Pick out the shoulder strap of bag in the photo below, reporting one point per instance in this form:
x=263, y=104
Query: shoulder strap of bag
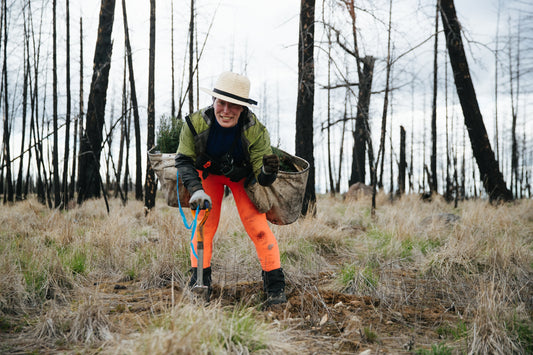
x=191, y=127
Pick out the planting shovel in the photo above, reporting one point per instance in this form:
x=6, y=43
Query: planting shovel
x=199, y=288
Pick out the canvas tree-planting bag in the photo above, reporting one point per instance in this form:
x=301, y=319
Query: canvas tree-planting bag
x=163, y=165
x=282, y=201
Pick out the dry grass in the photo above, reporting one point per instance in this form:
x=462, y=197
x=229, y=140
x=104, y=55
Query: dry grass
x=475, y=262
x=189, y=328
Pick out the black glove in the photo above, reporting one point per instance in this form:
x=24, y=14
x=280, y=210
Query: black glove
x=270, y=164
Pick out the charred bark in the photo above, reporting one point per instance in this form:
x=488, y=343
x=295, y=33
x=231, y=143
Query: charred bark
x=89, y=180
x=78, y=126
x=136, y=120
x=305, y=101
x=19, y=189
x=490, y=174
x=403, y=163
x=65, y=189
x=8, y=182
x=151, y=184
x=55, y=157
x=191, y=59
x=361, y=122
x=433, y=158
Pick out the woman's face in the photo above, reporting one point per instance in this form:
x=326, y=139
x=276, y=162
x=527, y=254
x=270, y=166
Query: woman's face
x=227, y=113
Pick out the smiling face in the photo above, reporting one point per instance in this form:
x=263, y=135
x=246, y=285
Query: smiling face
x=227, y=113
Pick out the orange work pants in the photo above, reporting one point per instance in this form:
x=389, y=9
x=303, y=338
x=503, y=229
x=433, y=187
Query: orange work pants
x=255, y=223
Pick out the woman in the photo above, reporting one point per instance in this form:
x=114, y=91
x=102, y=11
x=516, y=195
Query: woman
x=225, y=145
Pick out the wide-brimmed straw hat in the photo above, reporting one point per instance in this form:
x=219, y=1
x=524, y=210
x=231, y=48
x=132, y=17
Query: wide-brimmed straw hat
x=232, y=87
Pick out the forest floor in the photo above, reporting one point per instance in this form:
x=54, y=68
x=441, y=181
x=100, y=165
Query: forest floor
x=316, y=319
x=322, y=321
x=418, y=278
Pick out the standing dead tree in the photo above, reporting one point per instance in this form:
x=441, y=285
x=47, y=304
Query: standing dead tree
x=514, y=85
x=19, y=190
x=8, y=190
x=173, y=105
x=305, y=102
x=136, y=120
x=151, y=184
x=89, y=180
x=191, y=59
x=65, y=188
x=55, y=157
x=365, y=73
x=402, y=167
x=123, y=114
x=78, y=125
x=381, y=150
x=491, y=176
x=433, y=159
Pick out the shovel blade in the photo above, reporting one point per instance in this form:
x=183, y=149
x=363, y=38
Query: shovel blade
x=201, y=291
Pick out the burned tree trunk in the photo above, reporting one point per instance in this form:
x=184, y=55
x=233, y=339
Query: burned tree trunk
x=403, y=163
x=136, y=123
x=433, y=159
x=173, y=105
x=65, y=189
x=122, y=129
x=8, y=191
x=305, y=103
x=151, y=184
x=55, y=156
x=89, y=180
x=78, y=125
x=361, y=122
x=381, y=149
x=19, y=187
x=191, y=59
x=489, y=170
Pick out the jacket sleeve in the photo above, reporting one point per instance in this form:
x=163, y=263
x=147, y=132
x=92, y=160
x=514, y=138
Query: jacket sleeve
x=188, y=173
x=259, y=140
x=258, y=149
x=184, y=161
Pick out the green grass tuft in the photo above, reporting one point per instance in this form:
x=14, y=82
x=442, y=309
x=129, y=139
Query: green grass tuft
x=436, y=349
x=347, y=275
x=457, y=332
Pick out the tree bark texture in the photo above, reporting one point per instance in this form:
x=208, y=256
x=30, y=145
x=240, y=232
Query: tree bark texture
x=122, y=128
x=55, y=157
x=305, y=101
x=403, y=163
x=173, y=105
x=136, y=120
x=151, y=184
x=381, y=149
x=490, y=174
x=361, y=122
x=19, y=188
x=78, y=127
x=191, y=59
x=8, y=189
x=433, y=159
x=91, y=144
x=66, y=196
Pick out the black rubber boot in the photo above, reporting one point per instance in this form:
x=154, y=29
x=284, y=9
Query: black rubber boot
x=274, y=287
x=207, y=280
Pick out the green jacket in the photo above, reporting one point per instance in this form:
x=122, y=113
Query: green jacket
x=254, y=137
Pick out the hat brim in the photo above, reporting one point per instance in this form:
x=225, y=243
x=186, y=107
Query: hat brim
x=227, y=98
